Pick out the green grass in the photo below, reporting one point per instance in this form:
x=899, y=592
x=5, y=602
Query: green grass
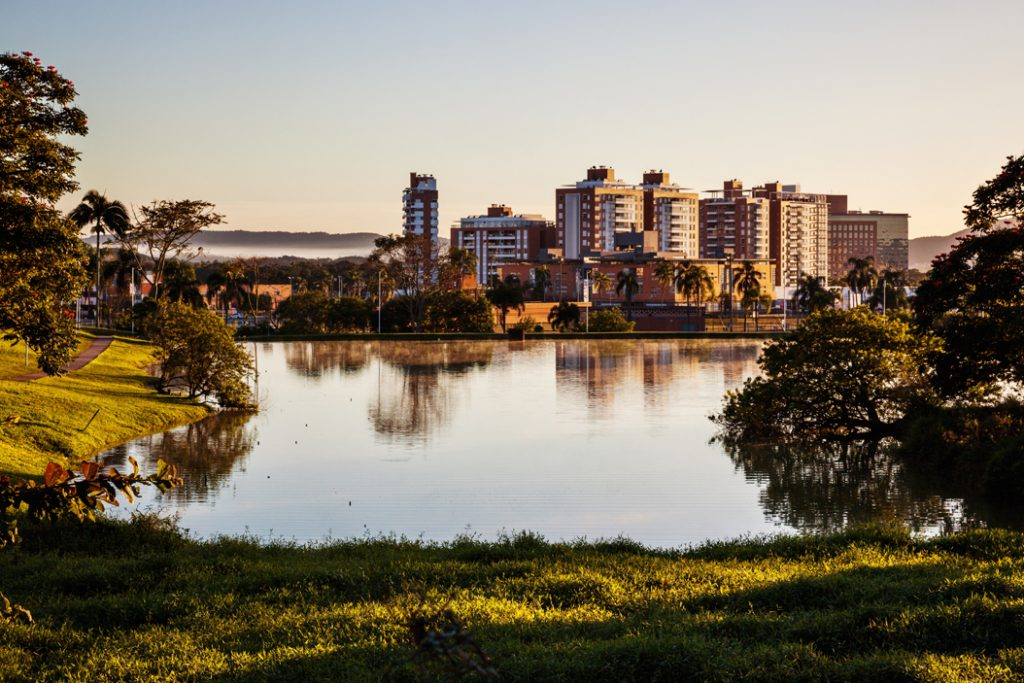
x=45, y=419
x=138, y=602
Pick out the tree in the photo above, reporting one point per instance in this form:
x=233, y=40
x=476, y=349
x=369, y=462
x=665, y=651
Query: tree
x=165, y=232
x=41, y=255
x=564, y=316
x=609, y=320
x=458, y=264
x=458, y=312
x=890, y=293
x=180, y=283
x=600, y=282
x=973, y=297
x=198, y=355
x=695, y=283
x=748, y=284
x=307, y=313
x=665, y=273
x=103, y=216
x=505, y=295
x=541, y=282
x=811, y=295
x=841, y=375
x=626, y=283
x=413, y=264
x=862, y=275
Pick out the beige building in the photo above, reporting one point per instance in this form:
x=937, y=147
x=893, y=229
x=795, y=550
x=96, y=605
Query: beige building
x=856, y=234
x=671, y=212
x=499, y=238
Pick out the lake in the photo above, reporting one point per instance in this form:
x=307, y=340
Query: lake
x=570, y=439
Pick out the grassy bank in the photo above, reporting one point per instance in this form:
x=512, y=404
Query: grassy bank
x=46, y=419
x=138, y=602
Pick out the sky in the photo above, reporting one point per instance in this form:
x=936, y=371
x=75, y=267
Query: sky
x=310, y=115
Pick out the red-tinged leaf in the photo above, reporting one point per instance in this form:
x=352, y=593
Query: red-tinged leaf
x=55, y=474
x=90, y=470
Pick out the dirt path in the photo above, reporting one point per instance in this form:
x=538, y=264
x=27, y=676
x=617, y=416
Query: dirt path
x=98, y=346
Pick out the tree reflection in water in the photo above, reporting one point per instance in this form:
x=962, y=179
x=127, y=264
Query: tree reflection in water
x=830, y=486
x=206, y=454
x=317, y=359
x=416, y=387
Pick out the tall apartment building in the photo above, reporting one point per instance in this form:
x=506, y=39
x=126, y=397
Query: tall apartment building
x=734, y=223
x=883, y=236
x=499, y=238
x=671, y=211
x=798, y=240
x=593, y=211
x=419, y=206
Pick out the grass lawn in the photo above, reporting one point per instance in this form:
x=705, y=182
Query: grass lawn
x=45, y=419
x=137, y=602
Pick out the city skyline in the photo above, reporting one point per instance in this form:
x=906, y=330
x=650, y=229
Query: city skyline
x=311, y=118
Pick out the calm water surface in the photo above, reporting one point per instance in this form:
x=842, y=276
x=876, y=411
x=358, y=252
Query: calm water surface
x=569, y=439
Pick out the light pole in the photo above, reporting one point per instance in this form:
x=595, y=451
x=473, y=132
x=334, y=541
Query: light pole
x=380, y=300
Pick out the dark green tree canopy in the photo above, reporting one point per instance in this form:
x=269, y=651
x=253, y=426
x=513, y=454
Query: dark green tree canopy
x=41, y=256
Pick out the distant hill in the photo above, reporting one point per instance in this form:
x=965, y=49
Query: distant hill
x=924, y=249
x=285, y=240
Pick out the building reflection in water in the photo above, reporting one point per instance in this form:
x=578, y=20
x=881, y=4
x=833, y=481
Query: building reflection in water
x=601, y=368
x=206, y=453
x=417, y=386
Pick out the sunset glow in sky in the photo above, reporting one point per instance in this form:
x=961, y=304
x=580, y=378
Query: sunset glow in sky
x=310, y=115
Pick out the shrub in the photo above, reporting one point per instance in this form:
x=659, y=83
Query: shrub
x=198, y=355
x=610, y=320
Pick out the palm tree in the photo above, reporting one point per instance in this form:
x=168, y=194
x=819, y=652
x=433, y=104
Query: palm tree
x=104, y=216
x=563, y=316
x=862, y=275
x=694, y=282
x=665, y=273
x=627, y=284
x=811, y=295
x=541, y=282
x=600, y=282
x=890, y=292
x=462, y=262
x=748, y=284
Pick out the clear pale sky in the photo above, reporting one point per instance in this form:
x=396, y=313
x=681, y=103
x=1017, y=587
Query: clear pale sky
x=310, y=115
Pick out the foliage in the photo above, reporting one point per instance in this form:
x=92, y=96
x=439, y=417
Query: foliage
x=198, y=355
x=862, y=275
x=627, y=284
x=526, y=324
x=459, y=263
x=458, y=312
x=973, y=297
x=63, y=493
x=890, y=293
x=102, y=215
x=564, y=316
x=609, y=320
x=811, y=295
x=165, y=233
x=308, y=313
x=180, y=284
x=41, y=255
x=694, y=282
x=506, y=295
x=841, y=375
x=541, y=282
x=867, y=604
x=412, y=266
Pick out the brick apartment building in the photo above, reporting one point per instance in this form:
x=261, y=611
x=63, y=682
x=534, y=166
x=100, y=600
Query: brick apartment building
x=499, y=238
x=419, y=207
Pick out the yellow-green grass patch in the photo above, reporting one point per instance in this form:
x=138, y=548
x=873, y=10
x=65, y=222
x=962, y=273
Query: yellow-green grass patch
x=46, y=419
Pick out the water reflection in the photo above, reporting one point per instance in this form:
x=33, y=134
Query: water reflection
x=207, y=454
x=834, y=485
x=416, y=386
x=318, y=359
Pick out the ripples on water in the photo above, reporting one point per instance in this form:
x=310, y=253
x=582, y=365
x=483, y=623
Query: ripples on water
x=566, y=438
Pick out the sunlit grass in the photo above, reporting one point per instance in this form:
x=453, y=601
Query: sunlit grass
x=138, y=602
x=46, y=419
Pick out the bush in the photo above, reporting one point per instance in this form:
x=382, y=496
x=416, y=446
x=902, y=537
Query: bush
x=457, y=312
x=198, y=355
x=610, y=320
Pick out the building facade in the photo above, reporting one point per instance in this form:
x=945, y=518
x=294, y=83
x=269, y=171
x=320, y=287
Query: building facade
x=672, y=213
x=498, y=238
x=419, y=207
x=734, y=223
x=593, y=211
x=856, y=234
